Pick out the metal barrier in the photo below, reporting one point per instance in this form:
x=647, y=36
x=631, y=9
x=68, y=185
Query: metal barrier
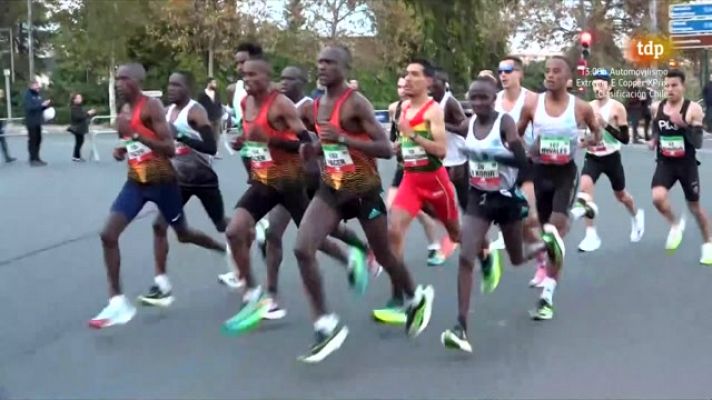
x=93, y=133
x=9, y=120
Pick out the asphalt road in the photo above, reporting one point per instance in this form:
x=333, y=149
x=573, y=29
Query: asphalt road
x=631, y=321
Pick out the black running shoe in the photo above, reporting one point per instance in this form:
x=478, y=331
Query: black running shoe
x=325, y=344
x=156, y=297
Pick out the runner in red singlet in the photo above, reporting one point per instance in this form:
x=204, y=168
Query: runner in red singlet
x=351, y=138
x=148, y=143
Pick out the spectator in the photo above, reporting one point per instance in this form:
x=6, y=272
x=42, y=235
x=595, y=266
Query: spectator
x=3, y=144
x=707, y=97
x=79, y=124
x=210, y=100
x=353, y=84
x=638, y=107
x=34, y=108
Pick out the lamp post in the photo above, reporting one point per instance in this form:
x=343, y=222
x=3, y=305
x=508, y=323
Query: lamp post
x=7, y=94
x=12, y=53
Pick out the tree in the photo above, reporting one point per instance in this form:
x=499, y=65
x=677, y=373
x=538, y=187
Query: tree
x=334, y=19
x=13, y=15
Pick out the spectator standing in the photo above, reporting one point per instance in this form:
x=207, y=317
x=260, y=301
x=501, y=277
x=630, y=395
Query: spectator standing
x=34, y=108
x=79, y=126
x=210, y=100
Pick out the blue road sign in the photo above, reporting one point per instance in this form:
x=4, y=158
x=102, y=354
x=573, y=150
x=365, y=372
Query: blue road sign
x=694, y=10
x=691, y=26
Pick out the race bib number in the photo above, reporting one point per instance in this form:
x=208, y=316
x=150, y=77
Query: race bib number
x=414, y=155
x=555, y=150
x=337, y=159
x=484, y=175
x=258, y=152
x=138, y=152
x=182, y=149
x=672, y=146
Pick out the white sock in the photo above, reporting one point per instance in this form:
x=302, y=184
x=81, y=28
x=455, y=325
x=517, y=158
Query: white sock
x=163, y=283
x=326, y=323
x=434, y=246
x=252, y=294
x=591, y=230
x=548, y=291
x=118, y=299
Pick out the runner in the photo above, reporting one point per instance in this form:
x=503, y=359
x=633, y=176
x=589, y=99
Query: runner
x=496, y=154
x=194, y=145
x=351, y=138
x=149, y=145
x=606, y=159
x=271, y=232
x=237, y=93
x=677, y=133
x=423, y=143
x=435, y=252
x=555, y=116
x=511, y=99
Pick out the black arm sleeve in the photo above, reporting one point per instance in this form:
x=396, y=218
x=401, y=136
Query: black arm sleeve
x=621, y=134
x=694, y=135
x=207, y=145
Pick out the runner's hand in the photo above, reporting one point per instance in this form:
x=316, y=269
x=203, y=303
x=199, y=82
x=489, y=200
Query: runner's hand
x=651, y=144
x=238, y=143
x=676, y=118
x=119, y=153
x=405, y=129
x=601, y=121
x=307, y=151
x=396, y=146
x=328, y=132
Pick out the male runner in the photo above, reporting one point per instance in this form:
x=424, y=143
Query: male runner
x=677, y=133
x=606, y=158
x=435, y=252
x=511, y=99
x=149, y=145
x=496, y=154
x=351, y=138
x=555, y=116
x=423, y=145
x=193, y=147
x=237, y=93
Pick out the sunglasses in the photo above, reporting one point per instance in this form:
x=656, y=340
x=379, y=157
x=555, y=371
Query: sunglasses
x=505, y=70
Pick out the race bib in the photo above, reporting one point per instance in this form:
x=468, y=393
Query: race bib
x=414, y=155
x=258, y=152
x=484, y=175
x=672, y=146
x=138, y=152
x=555, y=150
x=337, y=159
x=182, y=149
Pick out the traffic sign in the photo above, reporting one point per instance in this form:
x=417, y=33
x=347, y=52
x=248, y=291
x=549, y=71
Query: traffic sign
x=691, y=26
x=690, y=10
x=691, y=42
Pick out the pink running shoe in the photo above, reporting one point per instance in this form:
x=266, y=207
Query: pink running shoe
x=540, y=274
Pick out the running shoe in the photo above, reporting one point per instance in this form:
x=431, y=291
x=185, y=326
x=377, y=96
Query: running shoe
x=543, y=312
x=394, y=313
x=540, y=274
x=325, y=344
x=419, y=310
x=590, y=242
x=156, y=297
x=374, y=268
x=230, y=280
x=261, y=236
x=358, y=271
x=491, y=270
x=118, y=312
x=249, y=316
x=584, y=206
x=447, y=246
x=637, y=226
x=554, y=243
x=456, y=338
x=275, y=312
x=436, y=257
x=498, y=244
x=706, y=258
x=675, y=236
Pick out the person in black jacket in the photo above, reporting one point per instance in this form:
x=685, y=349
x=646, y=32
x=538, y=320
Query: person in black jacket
x=210, y=100
x=3, y=144
x=79, y=124
x=34, y=106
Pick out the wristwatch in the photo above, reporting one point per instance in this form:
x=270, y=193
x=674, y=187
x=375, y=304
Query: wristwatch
x=341, y=139
x=135, y=136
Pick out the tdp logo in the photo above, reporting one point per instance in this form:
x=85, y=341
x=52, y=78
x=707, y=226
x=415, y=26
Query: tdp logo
x=647, y=50
x=650, y=49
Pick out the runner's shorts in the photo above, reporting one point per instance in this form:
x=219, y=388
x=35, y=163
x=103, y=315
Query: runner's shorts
x=610, y=165
x=667, y=172
x=555, y=189
x=260, y=199
x=397, y=176
x=212, y=201
x=363, y=206
x=501, y=207
x=166, y=196
x=430, y=188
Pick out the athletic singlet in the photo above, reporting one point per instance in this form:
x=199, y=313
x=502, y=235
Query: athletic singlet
x=395, y=133
x=145, y=166
x=453, y=155
x=609, y=144
x=271, y=165
x=490, y=176
x=415, y=158
x=558, y=135
x=346, y=168
x=671, y=143
x=192, y=166
x=516, y=112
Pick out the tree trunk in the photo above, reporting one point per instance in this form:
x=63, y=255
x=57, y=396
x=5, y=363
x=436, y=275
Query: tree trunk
x=211, y=56
x=112, y=91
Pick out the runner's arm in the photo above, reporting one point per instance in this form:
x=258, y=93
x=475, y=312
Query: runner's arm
x=518, y=158
x=157, y=117
x=437, y=146
x=379, y=146
x=294, y=123
x=527, y=115
x=457, y=115
x=589, y=118
x=695, y=133
x=621, y=132
x=198, y=120
x=655, y=134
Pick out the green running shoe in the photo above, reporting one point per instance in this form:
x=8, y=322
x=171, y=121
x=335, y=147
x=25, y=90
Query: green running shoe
x=543, y=312
x=491, y=271
x=249, y=316
x=456, y=338
x=358, y=271
x=392, y=314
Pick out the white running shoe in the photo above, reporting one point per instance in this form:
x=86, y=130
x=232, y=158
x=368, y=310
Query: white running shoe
x=230, y=280
x=118, y=312
x=675, y=235
x=637, y=226
x=590, y=242
x=274, y=311
x=706, y=258
x=499, y=243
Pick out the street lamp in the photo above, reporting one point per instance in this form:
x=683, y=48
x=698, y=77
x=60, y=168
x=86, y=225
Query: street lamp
x=12, y=52
x=6, y=72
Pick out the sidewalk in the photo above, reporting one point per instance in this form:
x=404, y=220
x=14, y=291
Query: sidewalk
x=20, y=130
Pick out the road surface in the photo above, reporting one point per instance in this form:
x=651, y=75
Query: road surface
x=631, y=321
